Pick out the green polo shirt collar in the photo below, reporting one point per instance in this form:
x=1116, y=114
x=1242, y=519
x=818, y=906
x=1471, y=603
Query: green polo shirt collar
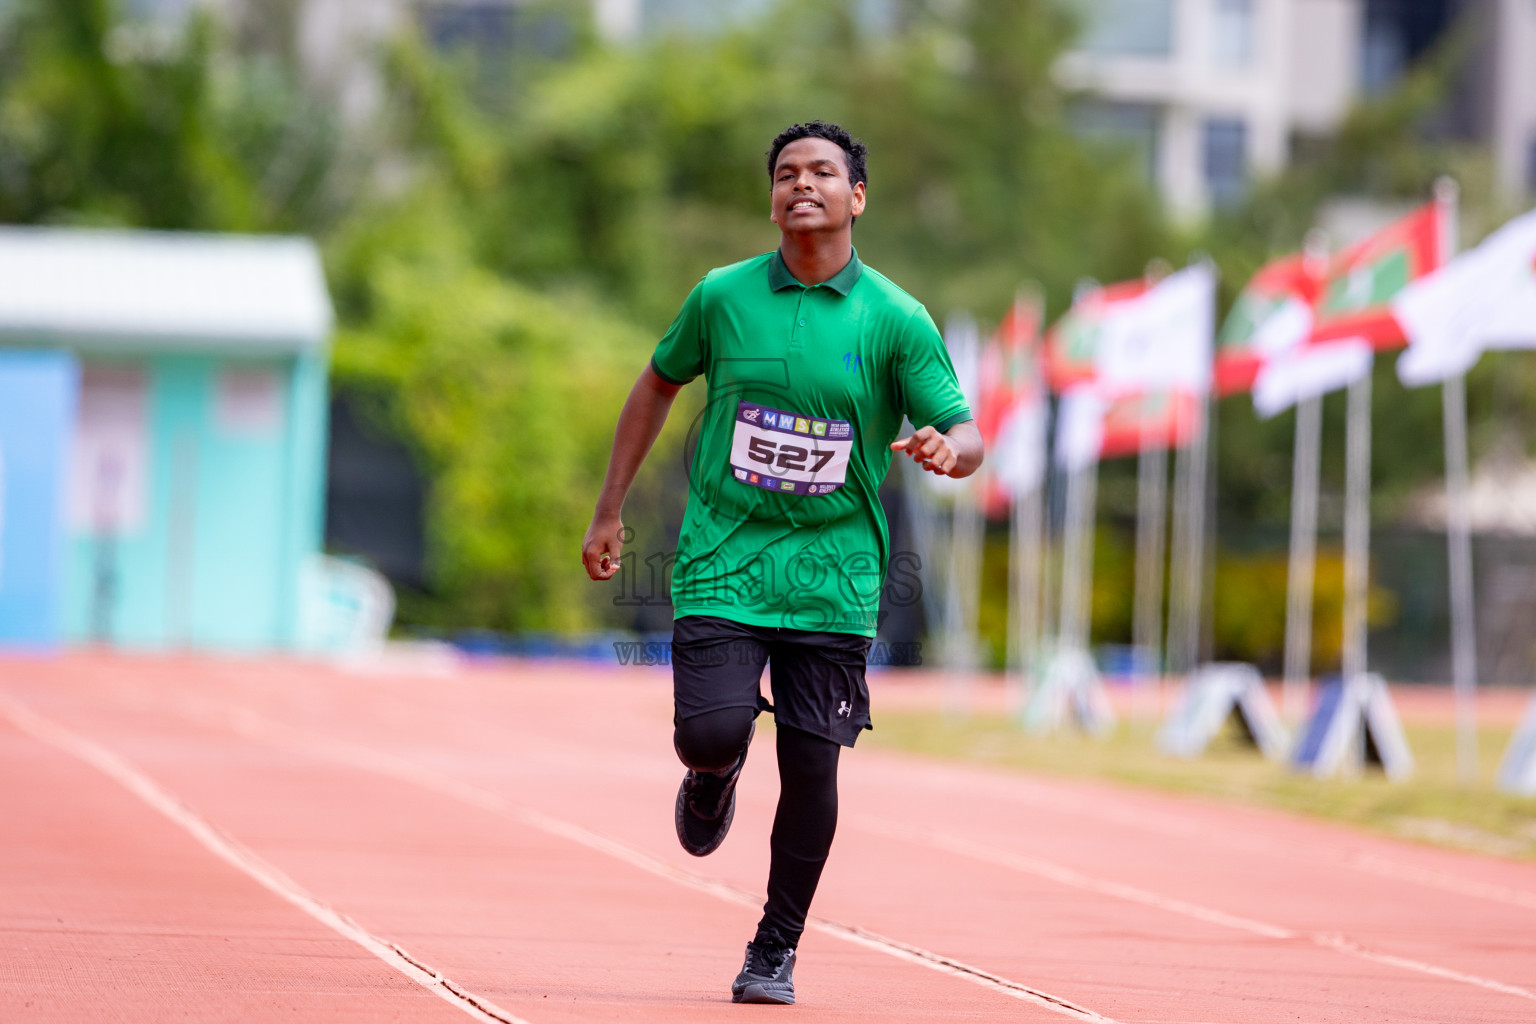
x=841, y=282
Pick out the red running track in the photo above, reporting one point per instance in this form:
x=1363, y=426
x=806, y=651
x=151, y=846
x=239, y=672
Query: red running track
x=202, y=840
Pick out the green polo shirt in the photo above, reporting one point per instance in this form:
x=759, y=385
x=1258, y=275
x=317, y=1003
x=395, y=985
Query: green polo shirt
x=807, y=390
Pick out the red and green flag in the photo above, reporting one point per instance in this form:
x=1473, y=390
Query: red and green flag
x=1166, y=420
x=1008, y=366
x=1011, y=410
x=1091, y=427
x=1072, y=343
x=1356, y=297
x=1273, y=314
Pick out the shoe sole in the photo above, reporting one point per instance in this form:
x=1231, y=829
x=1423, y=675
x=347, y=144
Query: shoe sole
x=679, y=820
x=764, y=994
x=680, y=810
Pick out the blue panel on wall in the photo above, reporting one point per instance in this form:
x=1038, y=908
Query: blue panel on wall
x=37, y=414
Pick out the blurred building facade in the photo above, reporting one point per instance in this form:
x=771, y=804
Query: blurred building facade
x=1213, y=93
x=1501, y=92
x=1210, y=93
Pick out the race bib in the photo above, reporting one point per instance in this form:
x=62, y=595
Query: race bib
x=784, y=451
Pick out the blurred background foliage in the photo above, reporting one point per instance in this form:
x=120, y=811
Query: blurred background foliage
x=507, y=239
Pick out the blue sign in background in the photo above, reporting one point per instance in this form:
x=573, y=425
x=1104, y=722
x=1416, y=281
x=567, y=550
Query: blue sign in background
x=38, y=395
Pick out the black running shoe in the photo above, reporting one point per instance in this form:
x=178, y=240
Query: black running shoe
x=706, y=803
x=768, y=976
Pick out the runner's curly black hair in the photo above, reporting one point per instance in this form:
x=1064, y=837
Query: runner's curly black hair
x=854, y=150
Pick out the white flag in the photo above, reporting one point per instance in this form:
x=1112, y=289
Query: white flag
x=1483, y=299
x=1080, y=427
x=963, y=340
x=1019, y=450
x=1308, y=372
x=1162, y=340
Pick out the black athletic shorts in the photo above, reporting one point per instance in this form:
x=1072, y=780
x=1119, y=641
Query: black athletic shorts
x=817, y=679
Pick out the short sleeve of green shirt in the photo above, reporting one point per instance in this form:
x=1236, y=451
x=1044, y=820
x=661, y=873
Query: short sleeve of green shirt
x=930, y=395
x=679, y=356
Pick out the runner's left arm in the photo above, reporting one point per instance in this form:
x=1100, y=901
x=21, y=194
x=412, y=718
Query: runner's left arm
x=956, y=452
x=948, y=443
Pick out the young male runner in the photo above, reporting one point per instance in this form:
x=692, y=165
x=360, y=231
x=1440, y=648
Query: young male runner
x=811, y=359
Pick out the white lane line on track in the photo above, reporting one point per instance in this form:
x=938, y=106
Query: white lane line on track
x=848, y=933
x=1076, y=879
x=260, y=727
x=1345, y=945
x=946, y=778
x=247, y=862
x=1372, y=864
x=1067, y=876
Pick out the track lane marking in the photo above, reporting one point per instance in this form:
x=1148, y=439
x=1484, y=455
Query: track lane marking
x=248, y=862
x=259, y=727
x=1374, y=865
x=1076, y=879
x=1069, y=877
x=1344, y=944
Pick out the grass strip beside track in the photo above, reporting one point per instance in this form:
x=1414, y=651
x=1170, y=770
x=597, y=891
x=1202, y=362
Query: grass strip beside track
x=1430, y=807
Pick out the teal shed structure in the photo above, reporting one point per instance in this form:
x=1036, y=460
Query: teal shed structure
x=191, y=497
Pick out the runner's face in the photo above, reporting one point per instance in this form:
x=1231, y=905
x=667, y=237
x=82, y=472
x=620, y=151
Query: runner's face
x=811, y=191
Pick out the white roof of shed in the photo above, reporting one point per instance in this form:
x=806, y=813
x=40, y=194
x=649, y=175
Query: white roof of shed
x=161, y=289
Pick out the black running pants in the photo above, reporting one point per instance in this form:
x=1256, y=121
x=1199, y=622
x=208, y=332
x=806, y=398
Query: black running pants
x=806, y=819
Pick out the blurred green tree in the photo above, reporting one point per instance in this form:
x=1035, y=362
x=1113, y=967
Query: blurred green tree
x=111, y=121
x=509, y=396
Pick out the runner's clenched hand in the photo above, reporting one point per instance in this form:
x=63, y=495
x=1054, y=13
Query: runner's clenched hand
x=931, y=450
x=600, y=549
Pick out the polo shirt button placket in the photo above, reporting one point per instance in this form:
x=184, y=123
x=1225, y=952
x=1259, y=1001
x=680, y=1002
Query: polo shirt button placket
x=796, y=338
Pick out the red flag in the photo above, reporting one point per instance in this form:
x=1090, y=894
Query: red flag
x=1355, y=300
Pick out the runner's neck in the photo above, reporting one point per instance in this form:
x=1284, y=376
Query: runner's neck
x=815, y=259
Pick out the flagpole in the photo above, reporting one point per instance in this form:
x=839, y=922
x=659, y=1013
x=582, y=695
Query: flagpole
x=1052, y=520
x=1077, y=556
x=1151, y=532
x=1200, y=455
x=1458, y=535
x=1151, y=529
x=1026, y=484
x=1205, y=625
x=1080, y=494
x=1303, y=561
x=962, y=597
x=1188, y=550
x=921, y=515
x=1301, y=574
x=1458, y=526
x=1024, y=601
x=1357, y=527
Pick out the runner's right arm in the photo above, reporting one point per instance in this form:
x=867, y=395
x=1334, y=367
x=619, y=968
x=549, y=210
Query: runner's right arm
x=644, y=414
